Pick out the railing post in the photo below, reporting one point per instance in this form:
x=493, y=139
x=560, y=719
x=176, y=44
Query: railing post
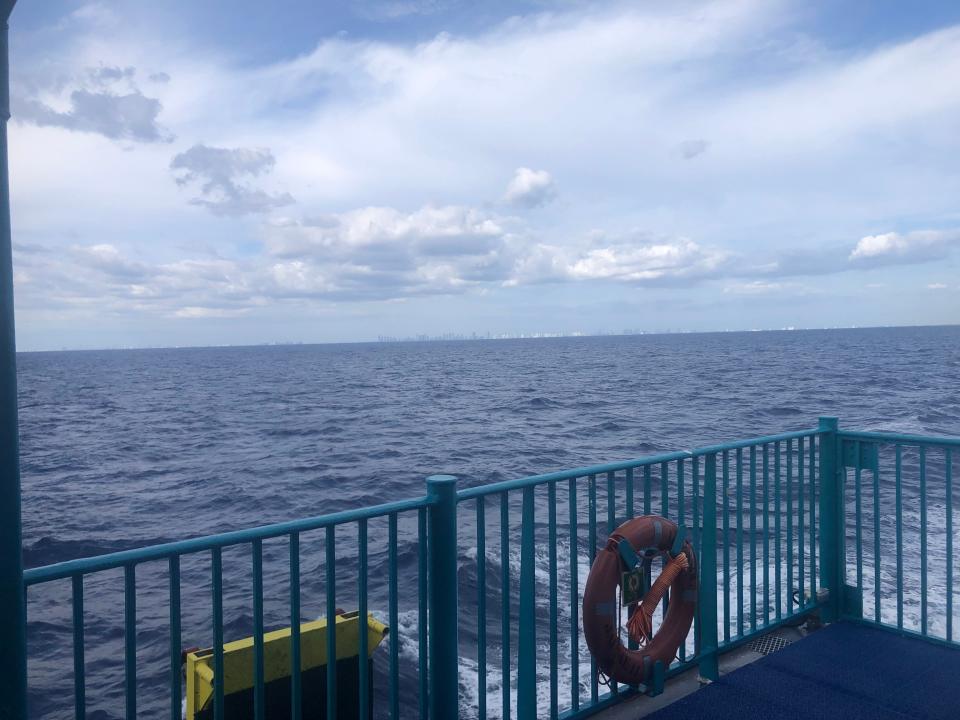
x=527, y=640
x=831, y=514
x=13, y=612
x=444, y=699
x=708, y=667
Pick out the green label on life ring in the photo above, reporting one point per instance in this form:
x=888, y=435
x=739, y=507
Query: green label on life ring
x=631, y=586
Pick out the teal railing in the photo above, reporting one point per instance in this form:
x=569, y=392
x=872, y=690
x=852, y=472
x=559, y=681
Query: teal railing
x=838, y=523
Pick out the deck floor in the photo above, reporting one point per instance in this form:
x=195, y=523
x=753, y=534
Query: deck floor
x=844, y=671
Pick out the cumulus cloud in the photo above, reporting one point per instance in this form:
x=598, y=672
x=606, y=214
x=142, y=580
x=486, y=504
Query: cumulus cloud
x=689, y=149
x=107, y=75
x=103, y=100
x=351, y=118
x=635, y=261
x=382, y=252
x=912, y=247
x=530, y=188
x=223, y=177
x=119, y=117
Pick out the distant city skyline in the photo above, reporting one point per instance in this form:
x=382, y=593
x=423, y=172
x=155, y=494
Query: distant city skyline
x=225, y=173
x=489, y=337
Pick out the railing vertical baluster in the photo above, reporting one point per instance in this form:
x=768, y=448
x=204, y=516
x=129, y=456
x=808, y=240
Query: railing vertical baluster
x=216, y=569
x=259, y=701
x=876, y=541
x=681, y=499
x=296, y=664
x=130, y=637
x=363, y=644
x=79, y=667
x=611, y=526
x=611, y=503
x=789, y=527
x=423, y=679
x=923, y=540
x=753, y=538
x=697, y=541
x=811, y=475
x=708, y=573
x=630, y=504
x=899, y=490
x=833, y=562
x=766, y=533
x=857, y=477
x=575, y=597
x=665, y=511
x=726, y=547
x=801, y=565
x=948, y=481
x=680, y=517
x=647, y=489
x=778, y=587
x=664, y=489
x=330, y=548
x=739, y=466
x=592, y=544
x=176, y=696
x=552, y=553
x=695, y=489
x=505, y=624
x=527, y=632
x=481, y=608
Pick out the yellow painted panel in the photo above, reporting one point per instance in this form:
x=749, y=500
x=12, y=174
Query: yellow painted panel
x=238, y=656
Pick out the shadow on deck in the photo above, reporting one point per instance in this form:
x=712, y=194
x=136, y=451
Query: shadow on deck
x=844, y=671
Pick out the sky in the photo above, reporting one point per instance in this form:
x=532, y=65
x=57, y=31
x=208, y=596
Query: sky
x=205, y=173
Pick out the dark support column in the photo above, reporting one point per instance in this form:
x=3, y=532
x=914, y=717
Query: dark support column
x=444, y=701
x=13, y=616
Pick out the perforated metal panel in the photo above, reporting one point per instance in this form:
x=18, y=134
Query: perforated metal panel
x=768, y=644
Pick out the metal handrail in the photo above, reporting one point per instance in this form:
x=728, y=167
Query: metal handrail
x=123, y=558
x=808, y=475
x=533, y=480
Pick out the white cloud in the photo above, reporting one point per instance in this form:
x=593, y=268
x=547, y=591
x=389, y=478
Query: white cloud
x=104, y=100
x=390, y=149
x=637, y=260
x=223, y=175
x=937, y=286
x=917, y=246
x=530, y=188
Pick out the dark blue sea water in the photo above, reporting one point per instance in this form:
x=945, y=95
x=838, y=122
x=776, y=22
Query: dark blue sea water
x=126, y=448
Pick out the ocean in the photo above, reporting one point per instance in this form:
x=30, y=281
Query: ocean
x=124, y=448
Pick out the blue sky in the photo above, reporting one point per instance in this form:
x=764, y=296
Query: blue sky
x=219, y=172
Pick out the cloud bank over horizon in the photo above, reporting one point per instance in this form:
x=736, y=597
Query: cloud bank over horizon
x=593, y=167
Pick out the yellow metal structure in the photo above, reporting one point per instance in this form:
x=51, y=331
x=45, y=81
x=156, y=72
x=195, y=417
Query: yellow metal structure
x=238, y=657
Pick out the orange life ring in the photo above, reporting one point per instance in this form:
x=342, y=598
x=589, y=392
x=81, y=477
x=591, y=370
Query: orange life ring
x=647, y=535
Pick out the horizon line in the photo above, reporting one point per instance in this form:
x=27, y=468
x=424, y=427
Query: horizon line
x=474, y=337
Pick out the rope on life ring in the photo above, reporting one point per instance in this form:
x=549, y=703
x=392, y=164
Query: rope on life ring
x=646, y=535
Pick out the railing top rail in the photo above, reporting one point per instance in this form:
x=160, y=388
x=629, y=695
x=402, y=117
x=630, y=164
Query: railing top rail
x=752, y=442
x=109, y=561
x=193, y=545
x=519, y=483
x=507, y=485
x=899, y=438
